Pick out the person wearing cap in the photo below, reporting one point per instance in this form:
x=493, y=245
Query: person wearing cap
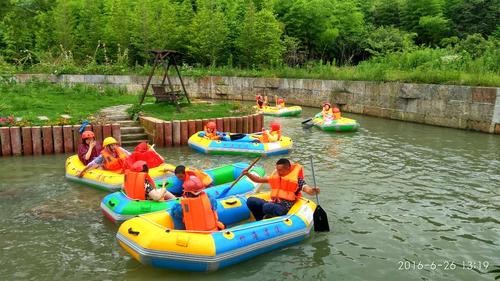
x=260, y=101
x=89, y=149
x=271, y=136
x=138, y=185
x=197, y=210
x=211, y=131
x=327, y=112
x=112, y=157
x=287, y=183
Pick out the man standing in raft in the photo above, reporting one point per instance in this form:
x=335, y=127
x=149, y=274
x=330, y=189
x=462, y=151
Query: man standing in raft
x=286, y=183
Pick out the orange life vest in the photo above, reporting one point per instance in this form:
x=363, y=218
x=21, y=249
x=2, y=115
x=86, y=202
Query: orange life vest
x=286, y=187
x=198, y=214
x=134, y=185
x=270, y=136
x=327, y=112
x=336, y=115
x=205, y=179
x=112, y=163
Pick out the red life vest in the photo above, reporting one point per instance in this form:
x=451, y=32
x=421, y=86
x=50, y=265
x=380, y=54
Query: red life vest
x=111, y=162
x=198, y=214
x=135, y=184
x=286, y=187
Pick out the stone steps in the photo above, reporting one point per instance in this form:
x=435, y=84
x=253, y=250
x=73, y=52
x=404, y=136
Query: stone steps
x=116, y=117
x=131, y=130
x=132, y=143
x=129, y=123
x=134, y=137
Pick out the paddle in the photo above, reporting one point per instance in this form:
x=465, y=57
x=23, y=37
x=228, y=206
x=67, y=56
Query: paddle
x=236, y=136
x=225, y=191
x=319, y=216
x=306, y=124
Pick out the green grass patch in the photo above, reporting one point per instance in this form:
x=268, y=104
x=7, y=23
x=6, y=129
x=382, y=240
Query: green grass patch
x=29, y=100
x=195, y=110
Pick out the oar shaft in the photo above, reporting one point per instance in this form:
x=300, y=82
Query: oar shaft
x=249, y=167
x=314, y=177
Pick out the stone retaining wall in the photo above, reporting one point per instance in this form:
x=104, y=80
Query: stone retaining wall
x=39, y=140
x=177, y=132
x=464, y=107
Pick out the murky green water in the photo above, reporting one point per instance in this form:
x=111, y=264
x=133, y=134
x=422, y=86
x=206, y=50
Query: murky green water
x=395, y=193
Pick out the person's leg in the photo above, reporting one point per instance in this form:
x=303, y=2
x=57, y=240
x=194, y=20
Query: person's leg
x=274, y=209
x=255, y=205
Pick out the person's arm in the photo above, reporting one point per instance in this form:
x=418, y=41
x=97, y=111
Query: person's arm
x=89, y=152
x=92, y=165
x=254, y=177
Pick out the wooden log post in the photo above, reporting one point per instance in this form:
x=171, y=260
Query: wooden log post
x=245, y=125
x=97, y=132
x=77, y=138
x=199, y=125
x=159, y=137
x=191, y=128
x=255, y=119
x=48, y=141
x=227, y=124
x=15, y=141
x=167, y=130
x=57, y=134
x=232, y=126
x=27, y=141
x=5, y=140
x=36, y=137
x=184, y=132
x=239, y=125
x=220, y=124
x=176, y=132
x=68, y=138
x=250, y=124
x=116, y=132
x=106, y=131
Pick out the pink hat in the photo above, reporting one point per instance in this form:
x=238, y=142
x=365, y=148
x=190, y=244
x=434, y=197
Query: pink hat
x=193, y=185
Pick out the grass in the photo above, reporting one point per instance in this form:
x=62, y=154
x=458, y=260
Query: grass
x=195, y=110
x=30, y=100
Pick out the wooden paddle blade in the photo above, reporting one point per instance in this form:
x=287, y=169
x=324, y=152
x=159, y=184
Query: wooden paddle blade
x=237, y=136
x=307, y=120
x=320, y=220
x=307, y=125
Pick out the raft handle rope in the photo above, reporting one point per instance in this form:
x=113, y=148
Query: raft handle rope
x=167, y=230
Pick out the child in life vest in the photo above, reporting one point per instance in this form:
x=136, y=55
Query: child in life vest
x=197, y=209
x=260, y=101
x=138, y=185
x=271, y=136
x=211, y=131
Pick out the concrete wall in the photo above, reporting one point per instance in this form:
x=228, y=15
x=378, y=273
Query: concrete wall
x=464, y=107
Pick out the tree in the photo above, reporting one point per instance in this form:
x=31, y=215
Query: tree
x=473, y=16
x=259, y=41
x=386, y=13
x=208, y=33
x=385, y=40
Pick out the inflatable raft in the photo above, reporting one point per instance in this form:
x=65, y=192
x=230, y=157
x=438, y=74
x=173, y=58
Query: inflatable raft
x=157, y=239
x=119, y=207
x=246, y=145
x=341, y=125
x=282, y=112
x=102, y=179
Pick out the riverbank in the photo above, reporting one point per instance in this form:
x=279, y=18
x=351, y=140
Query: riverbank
x=462, y=107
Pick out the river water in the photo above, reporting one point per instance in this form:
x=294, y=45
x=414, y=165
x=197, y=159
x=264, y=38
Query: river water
x=405, y=202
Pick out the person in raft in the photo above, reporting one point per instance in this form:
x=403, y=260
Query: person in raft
x=112, y=158
x=327, y=112
x=271, y=136
x=197, y=210
x=89, y=149
x=280, y=103
x=144, y=152
x=184, y=174
x=138, y=185
x=286, y=183
x=211, y=132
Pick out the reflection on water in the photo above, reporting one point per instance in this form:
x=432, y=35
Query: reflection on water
x=393, y=191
